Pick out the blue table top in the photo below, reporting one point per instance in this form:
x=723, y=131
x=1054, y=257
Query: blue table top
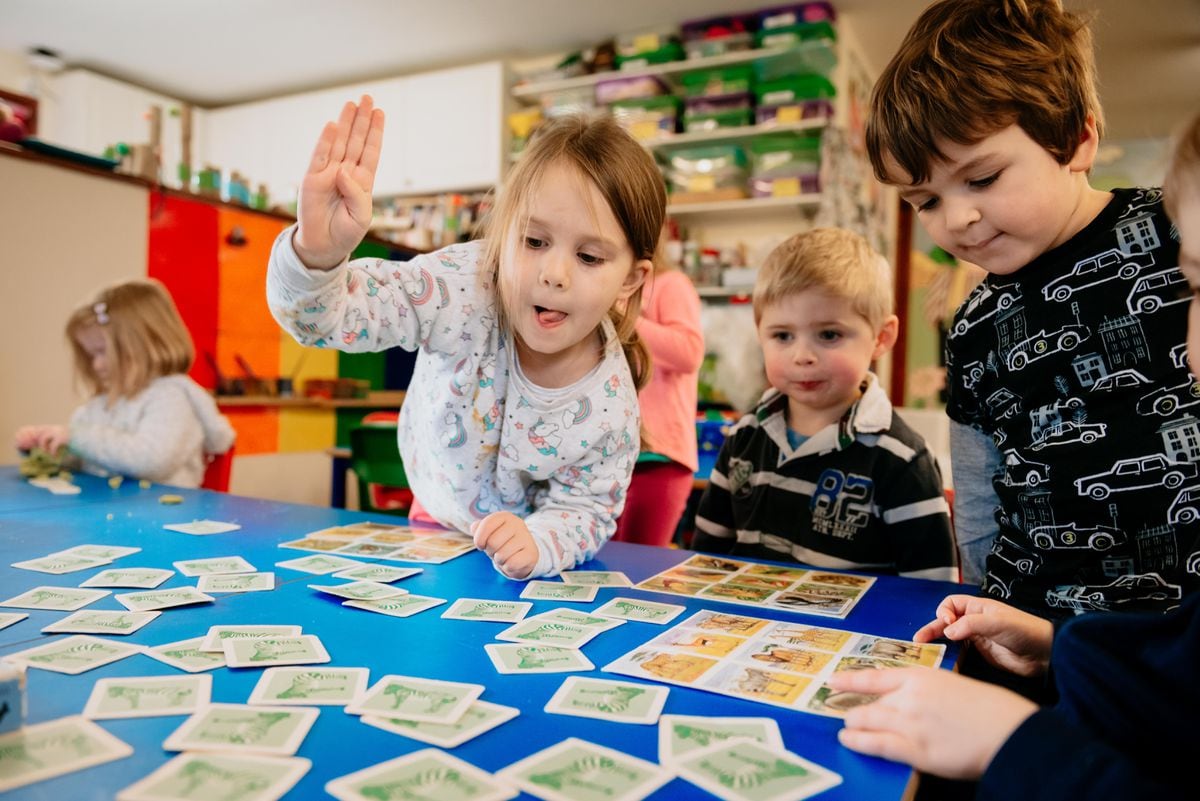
x=35, y=523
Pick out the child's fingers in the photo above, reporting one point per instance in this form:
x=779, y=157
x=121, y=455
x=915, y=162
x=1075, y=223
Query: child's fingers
x=886, y=744
x=358, y=129
x=874, y=682
x=373, y=145
x=487, y=534
x=930, y=631
x=342, y=132
x=357, y=198
x=320, y=155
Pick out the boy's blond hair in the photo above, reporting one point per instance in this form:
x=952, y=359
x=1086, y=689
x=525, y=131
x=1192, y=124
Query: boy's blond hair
x=145, y=337
x=970, y=68
x=1183, y=173
x=833, y=260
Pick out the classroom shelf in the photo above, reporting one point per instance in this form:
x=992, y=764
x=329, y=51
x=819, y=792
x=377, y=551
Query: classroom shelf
x=375, y=400
x=752, y=205
x=739, y=134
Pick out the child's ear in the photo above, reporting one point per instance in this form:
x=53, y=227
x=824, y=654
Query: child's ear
x=636, y=277
x=886, y=338
x=1089, y=143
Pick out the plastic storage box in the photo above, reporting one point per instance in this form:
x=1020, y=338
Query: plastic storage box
x=703, y=171
x=614, y=89
x=785, y=164
x=711, y=113
x=795, y=34
x=794, y=14
x=718, y=82
x=648, y=118
x=792, y=99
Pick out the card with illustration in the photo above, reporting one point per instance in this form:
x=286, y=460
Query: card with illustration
x=382, y=574
x=99, y=551
x=429, y=773
x=320, y=565
x=548, y=632
x=45, y=750
x=360, y=590
x=245, y=777
x=186, y=655
x=814, y=592
x=217, y=564
x=215, y=639
x=299, y=649
x=60, y=563
x=640, y=611
x=309, y=686
x=273, y=730
x=490, y=611
x=577, y=770
x=9, y=618
x=146, y=578
x=162, y=599
x=370, y=550
x=924, y=654
x=399, y=606
x=681, y=735
x=558, y=591
x=523, y=658
x=604, y=699
x=236, y=582
x=202, y=528
x=413, y=698
x=75, y=654
x=745, y=770
x=480, y=717
x=596, y=578
x=770, y=661
x=100, y=621
x=577, y=618
x=314, y=544
x=62, y=599
x=148, y=696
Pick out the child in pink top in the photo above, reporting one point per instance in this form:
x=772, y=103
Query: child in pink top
x=662, y=478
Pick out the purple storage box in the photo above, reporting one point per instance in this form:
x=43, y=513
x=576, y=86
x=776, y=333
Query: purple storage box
x=719, y=26
x=628, y=88
x=809, y=110
x=795, y=14
x=716, y=105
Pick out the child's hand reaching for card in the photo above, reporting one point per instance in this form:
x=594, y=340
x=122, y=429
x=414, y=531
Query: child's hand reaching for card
x=47, y=437
x=1006, y=637
x=506, y=539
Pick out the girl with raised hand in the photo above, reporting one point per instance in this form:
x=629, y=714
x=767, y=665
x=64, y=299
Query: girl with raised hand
x=521, y=421
x=146, y=419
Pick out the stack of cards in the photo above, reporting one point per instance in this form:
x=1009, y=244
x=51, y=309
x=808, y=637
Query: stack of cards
x=426, y=774
x=81, y=557
x=562, y=628
x=770, y=661
x=264, y=646
x=796, y=589
x=388, y=542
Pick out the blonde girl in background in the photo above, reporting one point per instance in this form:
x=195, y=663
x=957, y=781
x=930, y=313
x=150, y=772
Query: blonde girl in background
x=146, y=418
x=520, y=424
x=665, y=471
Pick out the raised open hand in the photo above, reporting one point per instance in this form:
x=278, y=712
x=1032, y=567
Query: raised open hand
x=334, y=208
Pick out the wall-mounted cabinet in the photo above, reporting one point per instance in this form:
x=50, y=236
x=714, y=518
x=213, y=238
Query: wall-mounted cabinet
x=444, y=132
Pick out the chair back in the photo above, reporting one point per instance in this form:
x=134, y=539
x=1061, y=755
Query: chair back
x=216, y=475
x=375, y=460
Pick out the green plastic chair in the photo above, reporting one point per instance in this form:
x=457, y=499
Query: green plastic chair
x=375, y=460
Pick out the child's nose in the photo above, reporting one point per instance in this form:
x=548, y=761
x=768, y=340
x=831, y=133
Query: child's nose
x=555, y=273
x=960, y=213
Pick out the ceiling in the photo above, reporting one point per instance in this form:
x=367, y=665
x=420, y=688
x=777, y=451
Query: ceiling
x=217, y=52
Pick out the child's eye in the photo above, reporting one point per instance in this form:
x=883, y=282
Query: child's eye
x=590, y=260
x=782, y=336
x=533, y=243
x=984, y=182
x=926, y=205
x=829, y=336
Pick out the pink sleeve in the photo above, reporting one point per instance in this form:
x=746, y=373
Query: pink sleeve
x=670, y=322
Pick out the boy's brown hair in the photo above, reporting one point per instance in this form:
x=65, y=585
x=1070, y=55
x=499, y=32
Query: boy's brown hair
x=970, y=68
x=145, y=336
x=1183, y=173
x=832, y=260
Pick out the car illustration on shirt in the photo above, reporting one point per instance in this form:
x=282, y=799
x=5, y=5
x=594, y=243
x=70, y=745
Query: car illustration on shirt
x=1107, y=266
x=1097, y=538
x=1154, y=470
x=1069, y=431
x=1137, y=587
x=1003, y=301
x=1166, y=400
x=1163, y=288
x=1185, y=508
x=1122, y=379
x=1044, y=343
x=1020, y=472
x=1024, y=561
